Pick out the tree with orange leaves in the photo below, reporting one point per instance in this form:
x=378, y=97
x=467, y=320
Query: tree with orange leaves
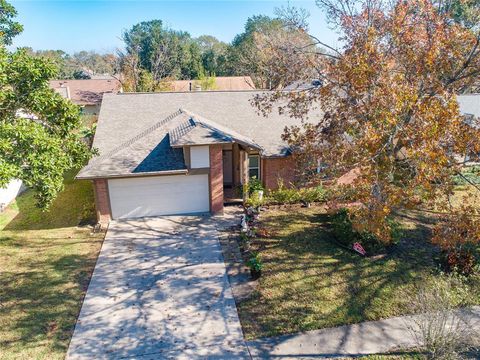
x=388, y=98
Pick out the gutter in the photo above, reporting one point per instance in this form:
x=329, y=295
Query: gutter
x=142, y=174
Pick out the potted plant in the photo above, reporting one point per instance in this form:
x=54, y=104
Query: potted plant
x=255, y=264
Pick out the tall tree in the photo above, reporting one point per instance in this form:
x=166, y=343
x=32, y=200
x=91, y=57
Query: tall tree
x=39, y=138
x=264, y=42
x=9, y=28
x=391, y=116
x=92, y=62
x=63, y=61
x=214, y=55
x=80, y=65
x=161, y=52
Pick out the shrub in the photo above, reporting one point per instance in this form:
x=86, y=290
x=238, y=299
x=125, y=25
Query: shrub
x=255, y=262
x=254, y=185
x=439, y=329
x=470, y=174
x=460, y=260
x=459, y=239
x=254, y=201
x=315, y=194
x=284, y=195
x=345, y=233
x=292, y=195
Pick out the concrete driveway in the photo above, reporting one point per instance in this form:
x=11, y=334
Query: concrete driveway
x=159, y=291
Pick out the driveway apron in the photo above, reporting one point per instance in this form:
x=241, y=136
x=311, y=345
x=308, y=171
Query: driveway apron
x=159, y=291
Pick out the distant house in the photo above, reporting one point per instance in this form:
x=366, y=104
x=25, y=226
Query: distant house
x=87, y=93
x=223, y=83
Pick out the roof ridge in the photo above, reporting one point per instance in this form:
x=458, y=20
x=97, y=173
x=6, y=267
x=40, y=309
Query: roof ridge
x=135, y=138
x=195, y=92
x=220, y=128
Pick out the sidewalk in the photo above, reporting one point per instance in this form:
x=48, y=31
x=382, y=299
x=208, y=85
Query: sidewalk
x=372, y=337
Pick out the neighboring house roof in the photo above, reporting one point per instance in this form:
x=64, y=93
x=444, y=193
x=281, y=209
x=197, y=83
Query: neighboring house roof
x=223, y=83
x=85, y=92
x=132, y=125
x=469, y=104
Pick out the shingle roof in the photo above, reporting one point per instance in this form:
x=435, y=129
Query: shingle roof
x=124, y=114
x=135, y=131
x=196, y=133
x=148, y=151
x=85, y=92
x=125, y=118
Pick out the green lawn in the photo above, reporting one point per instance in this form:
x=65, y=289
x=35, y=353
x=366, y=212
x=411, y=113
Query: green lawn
x=310, y=283
x=46, y=260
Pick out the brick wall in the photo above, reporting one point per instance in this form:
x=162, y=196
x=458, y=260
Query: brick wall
x=216, y=179
x=274, y=169
x=102, y=201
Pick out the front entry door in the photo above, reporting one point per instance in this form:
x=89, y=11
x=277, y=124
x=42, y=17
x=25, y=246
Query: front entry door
x=227, y=167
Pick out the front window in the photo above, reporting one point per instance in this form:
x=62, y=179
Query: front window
x=254, y=166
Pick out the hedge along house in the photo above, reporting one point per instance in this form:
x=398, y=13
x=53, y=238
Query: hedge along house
x=176, y=153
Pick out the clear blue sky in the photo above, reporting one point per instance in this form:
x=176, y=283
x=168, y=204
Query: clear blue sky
x=97, y=25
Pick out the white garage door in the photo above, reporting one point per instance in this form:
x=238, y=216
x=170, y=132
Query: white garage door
x=158, y=195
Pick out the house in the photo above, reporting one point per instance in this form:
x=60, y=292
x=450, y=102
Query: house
x=87, y=93
x=176, y=153
x=179, y=152
x=226, y=83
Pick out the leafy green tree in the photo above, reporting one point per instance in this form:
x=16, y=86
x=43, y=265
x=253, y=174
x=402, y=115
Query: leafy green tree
x=192, y=65
x=464, y=12
x=63, y=61
x=206, y=82
x=39, y=129
x=162, y=52
x=79, y=65
x=9, y=28
x=214, y=55
x=93, y=62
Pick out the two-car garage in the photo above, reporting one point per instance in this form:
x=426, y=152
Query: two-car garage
x=158, y=195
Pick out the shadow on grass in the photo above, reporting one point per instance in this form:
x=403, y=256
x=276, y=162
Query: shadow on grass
x=309, y=282
x=73, y=206
x=42, y=303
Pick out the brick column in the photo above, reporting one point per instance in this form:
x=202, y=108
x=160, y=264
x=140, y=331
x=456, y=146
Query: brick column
x=102, y=201
x=216, y=179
